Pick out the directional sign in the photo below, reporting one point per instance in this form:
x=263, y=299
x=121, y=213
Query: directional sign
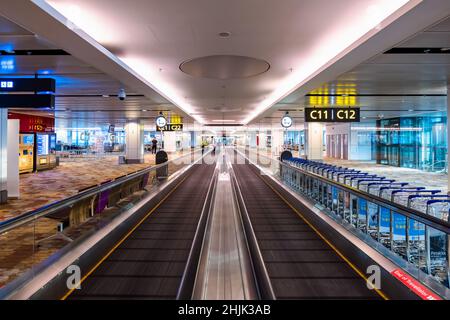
x=27, y=85
x=332, y=114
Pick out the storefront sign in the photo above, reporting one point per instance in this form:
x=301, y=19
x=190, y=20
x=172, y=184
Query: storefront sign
x=332, y=114
x=170, y=127
x=414, y=285
x=30, y=123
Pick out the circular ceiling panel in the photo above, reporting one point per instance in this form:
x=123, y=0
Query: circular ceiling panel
x=224, y=109
x=224, y=67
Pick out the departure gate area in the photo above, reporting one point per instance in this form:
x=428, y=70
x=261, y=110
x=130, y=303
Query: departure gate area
x=204, y=152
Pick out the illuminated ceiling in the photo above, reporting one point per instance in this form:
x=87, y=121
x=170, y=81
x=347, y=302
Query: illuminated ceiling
x=297, y=39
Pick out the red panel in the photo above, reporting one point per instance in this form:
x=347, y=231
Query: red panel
x=414, y=285
x=30, y=123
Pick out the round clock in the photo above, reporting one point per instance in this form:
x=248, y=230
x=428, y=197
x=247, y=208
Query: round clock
x=161, y=121
x=286, y=121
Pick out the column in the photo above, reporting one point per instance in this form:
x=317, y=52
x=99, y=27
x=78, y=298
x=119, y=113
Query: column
x=13, y=158
x=252, y=139
x=134, y=142
x=193, y=139
x=277, y=141
x=3, y=155
x=170, y=141
x=314, y=141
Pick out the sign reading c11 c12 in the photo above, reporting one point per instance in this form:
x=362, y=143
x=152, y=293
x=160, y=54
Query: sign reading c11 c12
x=170, y=127
x=332, y=115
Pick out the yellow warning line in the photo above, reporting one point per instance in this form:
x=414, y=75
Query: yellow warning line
x=123, y=239
x=361, y=274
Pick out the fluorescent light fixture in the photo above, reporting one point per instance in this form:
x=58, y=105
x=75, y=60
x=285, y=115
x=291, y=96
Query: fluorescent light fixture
x=224, y=120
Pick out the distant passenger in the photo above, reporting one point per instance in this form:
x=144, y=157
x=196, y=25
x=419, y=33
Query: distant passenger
x=154, y=144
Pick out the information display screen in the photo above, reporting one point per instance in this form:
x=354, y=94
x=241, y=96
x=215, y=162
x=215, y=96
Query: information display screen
x=332, y=115
x=42, y=141
x=28, y=139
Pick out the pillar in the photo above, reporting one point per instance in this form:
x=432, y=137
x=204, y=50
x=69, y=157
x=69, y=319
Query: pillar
x=193, y=139
x=252, y=139
x=314, y=141
x=3, y=155
x=170, y=141
x=13, y=158
x=134, y=142
x=277, y=141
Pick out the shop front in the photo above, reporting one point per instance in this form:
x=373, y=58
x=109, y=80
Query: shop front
x=37, y=142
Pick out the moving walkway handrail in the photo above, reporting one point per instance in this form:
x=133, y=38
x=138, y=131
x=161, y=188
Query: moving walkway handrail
x=260, y=273
x=189, y=275
x=71, y=200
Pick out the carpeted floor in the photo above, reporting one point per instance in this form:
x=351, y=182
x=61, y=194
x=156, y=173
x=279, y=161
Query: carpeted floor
x=44, y=187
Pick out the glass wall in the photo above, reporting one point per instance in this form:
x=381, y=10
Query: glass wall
x=413, y=142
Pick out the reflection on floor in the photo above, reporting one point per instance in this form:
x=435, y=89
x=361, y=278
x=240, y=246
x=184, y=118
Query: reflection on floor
x=414, y=177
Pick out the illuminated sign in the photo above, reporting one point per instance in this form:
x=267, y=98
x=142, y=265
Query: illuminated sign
x=170, y=127
x=332, y=115
x=27, y=85
x=6, y=84
x=30, y=123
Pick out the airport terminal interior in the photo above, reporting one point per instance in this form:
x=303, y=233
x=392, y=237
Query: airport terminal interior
x=224, y=150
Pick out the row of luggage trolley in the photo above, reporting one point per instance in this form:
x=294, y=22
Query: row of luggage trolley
x=421, y=245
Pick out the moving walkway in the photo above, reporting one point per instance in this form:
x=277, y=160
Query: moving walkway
x=169, y=245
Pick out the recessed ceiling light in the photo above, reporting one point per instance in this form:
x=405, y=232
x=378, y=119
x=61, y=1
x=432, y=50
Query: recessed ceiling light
x=364, y=117
x=105, y=96
x=445, y=49
x=143, y=110
x=225, y=34
x=411, y=110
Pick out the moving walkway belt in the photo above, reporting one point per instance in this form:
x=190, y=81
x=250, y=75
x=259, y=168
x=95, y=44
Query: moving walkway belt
x=149, y=262
x=300, y=264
